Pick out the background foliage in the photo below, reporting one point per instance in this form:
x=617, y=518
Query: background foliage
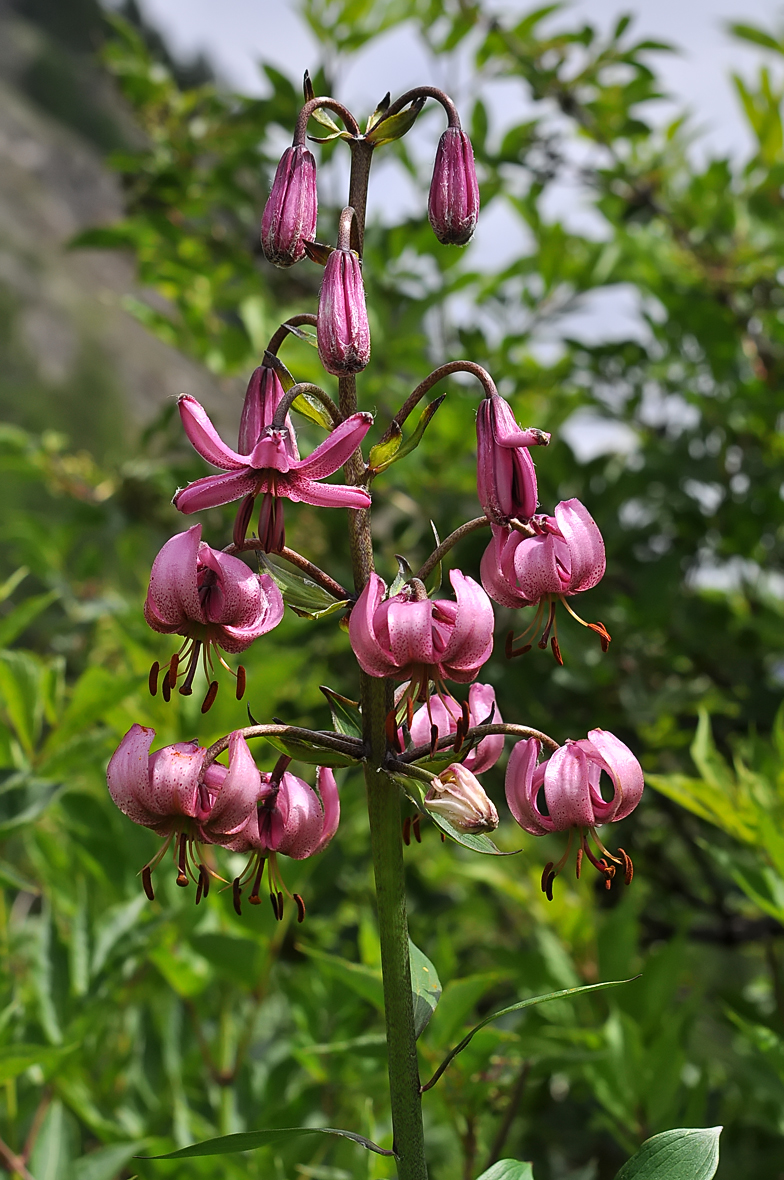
x=128, y=1026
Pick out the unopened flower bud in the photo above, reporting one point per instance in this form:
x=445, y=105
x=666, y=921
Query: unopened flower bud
x=453, y=205
x=289, y=218
x=458, y=796
x=343, y=332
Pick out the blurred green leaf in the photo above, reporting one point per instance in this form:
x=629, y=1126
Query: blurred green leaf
x=687, y=1154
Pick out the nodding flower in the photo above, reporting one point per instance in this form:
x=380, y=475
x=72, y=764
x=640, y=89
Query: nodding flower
x=289, y=218
x=215, y=601
x=563, y=793
x=457, y=796
x=409, y=637
x=443, y=715
x=505, y=473
x=171, y=793
x=270, y=470
x=291, y=818
x=554, y=558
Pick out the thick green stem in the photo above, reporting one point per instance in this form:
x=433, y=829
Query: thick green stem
x=384, y=805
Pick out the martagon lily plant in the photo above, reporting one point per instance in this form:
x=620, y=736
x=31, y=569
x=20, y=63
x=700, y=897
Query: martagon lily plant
x=420, y=741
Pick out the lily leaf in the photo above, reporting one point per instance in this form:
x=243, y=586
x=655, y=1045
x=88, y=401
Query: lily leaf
x=302, y=594
x=365, y=981
x=414, y=439
x=311, y=408
x=688, y=1153
x=404, y=574
x=508, y=1170
x=306, y=334
x=16, y=1058
x=397, y=125
x=379, y=112
x=250, y=1140
x=346, y=714
x=437, y=575
x=311, y=754
x=384, y=453
x=529, y=1003
x=425, y=986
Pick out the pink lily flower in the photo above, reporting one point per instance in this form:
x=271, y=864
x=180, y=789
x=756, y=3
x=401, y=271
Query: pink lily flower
x=292, y=819
x=269, y=470
x=506, y=477
x=457, y=796
x=569, y=780
x=289, y=218
x=411, y=638
x=444, y=713
x=170, y=792
x=564, y=556
x=211, y=598
x=453, y=204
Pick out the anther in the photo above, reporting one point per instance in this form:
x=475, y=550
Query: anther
x=409, y=712
x=182, y=879
x=174, y=664
x=628, y=867
x=153, y=679
x=546, y=871
x=242, y=520
x=407, y=830
x=204, y=878
x=199, y=889
x=182, y=861
x=579, y=863
x=274, y=904
x=549, y=887
x=390, y=729
x=147, y=882
x=236, y=894
x=280, y=906
x=416, y=829
x=209, y=699
x=166, y=689
x=443, y=838
x=254, y=898
x=240, y=682
x=603, y=633
x=301, y=911
x=556, y=651
x=433, y=740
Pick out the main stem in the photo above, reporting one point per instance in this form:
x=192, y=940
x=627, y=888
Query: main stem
x=383, y=796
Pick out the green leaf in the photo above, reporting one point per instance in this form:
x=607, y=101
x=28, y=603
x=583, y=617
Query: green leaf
x=302, y=594
x=425, y=985
x=397, y=125
x=379, y=112
x=529, y=1003
x=413, y=440
x=54, y=1151
x=16, y=1058
x=346, y=715
x=383, y=453
x=476, y=841
x=106, y=1162
x=365, y=981
x=311, y=408
x=756, y=36
x=250, y=1140
x=508, y=1170
x=22, y=799
x=311, y=754
x=22, y=616
x=11, y=877
x=684, y=1154
x=11, y=583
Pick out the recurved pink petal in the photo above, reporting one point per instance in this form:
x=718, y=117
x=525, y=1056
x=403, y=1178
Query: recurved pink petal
x=128, y=775
x=536, y=567
x=229, y=590
x=330, y=801
x=173, y=595
x=237, y=797
x=471, y=643
x=214, y=490
x=204, y=437
x=272, y=452
x=297, y=819
x=337, y=449
x=481, y=707
x=443, y=713
x=520, y=792
x=500, y=589
x=323, y=495
x=362, y=634
x=586, y=546
x=624, y=769
x=410, y=632
x=173, y=787
x=567, y=788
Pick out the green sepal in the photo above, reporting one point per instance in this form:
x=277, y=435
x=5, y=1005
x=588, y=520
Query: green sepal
x=414, y=439
x=383, y=453
x=379, y=112
x=395, y=127
x=305, y=597
x=311, y=754
x=346, y=714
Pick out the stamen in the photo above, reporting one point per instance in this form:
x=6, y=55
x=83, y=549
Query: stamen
x=153, y=679
x=603, y=633
x=280, y=906
x=548, y=890
x=301, y=911
x=556, y=650
x=147, y=882
x=546, y=633
x=174, y=664
x=199, y=888
x=166, y=689
x=416, y=829
x=187, y=684
x=579, y=862
x=443, y=838
x=209, y=699
x=242, y=520
x=274, y=904
x=204, y=877
x=509, y=648
x=236, y=894
x=390, y=728
x=254, y=898
x=433, y=740
x=240, y=682
x=409, y=712
x=182, y=861
x=546, y=873
x=407, y=830
x=628, y=867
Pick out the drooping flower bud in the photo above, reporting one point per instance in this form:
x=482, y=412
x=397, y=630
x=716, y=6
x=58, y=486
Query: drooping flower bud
x=453, y=205
x=289, y=218
x=505, y=474
x=457, y=796
x=262, y=399
x=342, y=330
x=444, y=713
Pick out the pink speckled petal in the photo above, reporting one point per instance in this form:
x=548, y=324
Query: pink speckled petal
x=501, y=589
x=567, y=789
x=481, y=704
x=204, y=438
x=323, y=495
x=296, y=823
x=173, y=596
x=173, y=780
x=536, y=567
x=521, y=791
x=239, y=792
x=214, y=490
x=337, y=449
x=128, y=773
x=410, y=626
x=471, y=643
x=328, y=790
x=586, y=546
x=624, y=769
x=361, y=631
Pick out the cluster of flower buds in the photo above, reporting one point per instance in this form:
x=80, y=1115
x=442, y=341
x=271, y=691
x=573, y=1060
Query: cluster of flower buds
x=194, y=802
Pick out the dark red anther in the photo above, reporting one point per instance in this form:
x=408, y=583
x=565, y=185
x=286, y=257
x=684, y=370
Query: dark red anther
x=415, y=828
x=242, y=520
x=254, y=898
x=174, y=665
x=608, y=882
x=199, y=889
x=628, y=867
x=433, y=740
x=236, y=894
x=280, y=906
x=147, y=882
x=549, y=887
x=548, y=868
x=166, y=689
x=407, y=830
x=409, y=712
x=274, y=904
x=443, y=838
x=301, y=911
x=182, y=879
x=603, y=633
x=153, y=679
x=240, y=682
x=390, y=729
x=556, y=651
x=205, y=879
x=182, y=861
x=209, y=699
